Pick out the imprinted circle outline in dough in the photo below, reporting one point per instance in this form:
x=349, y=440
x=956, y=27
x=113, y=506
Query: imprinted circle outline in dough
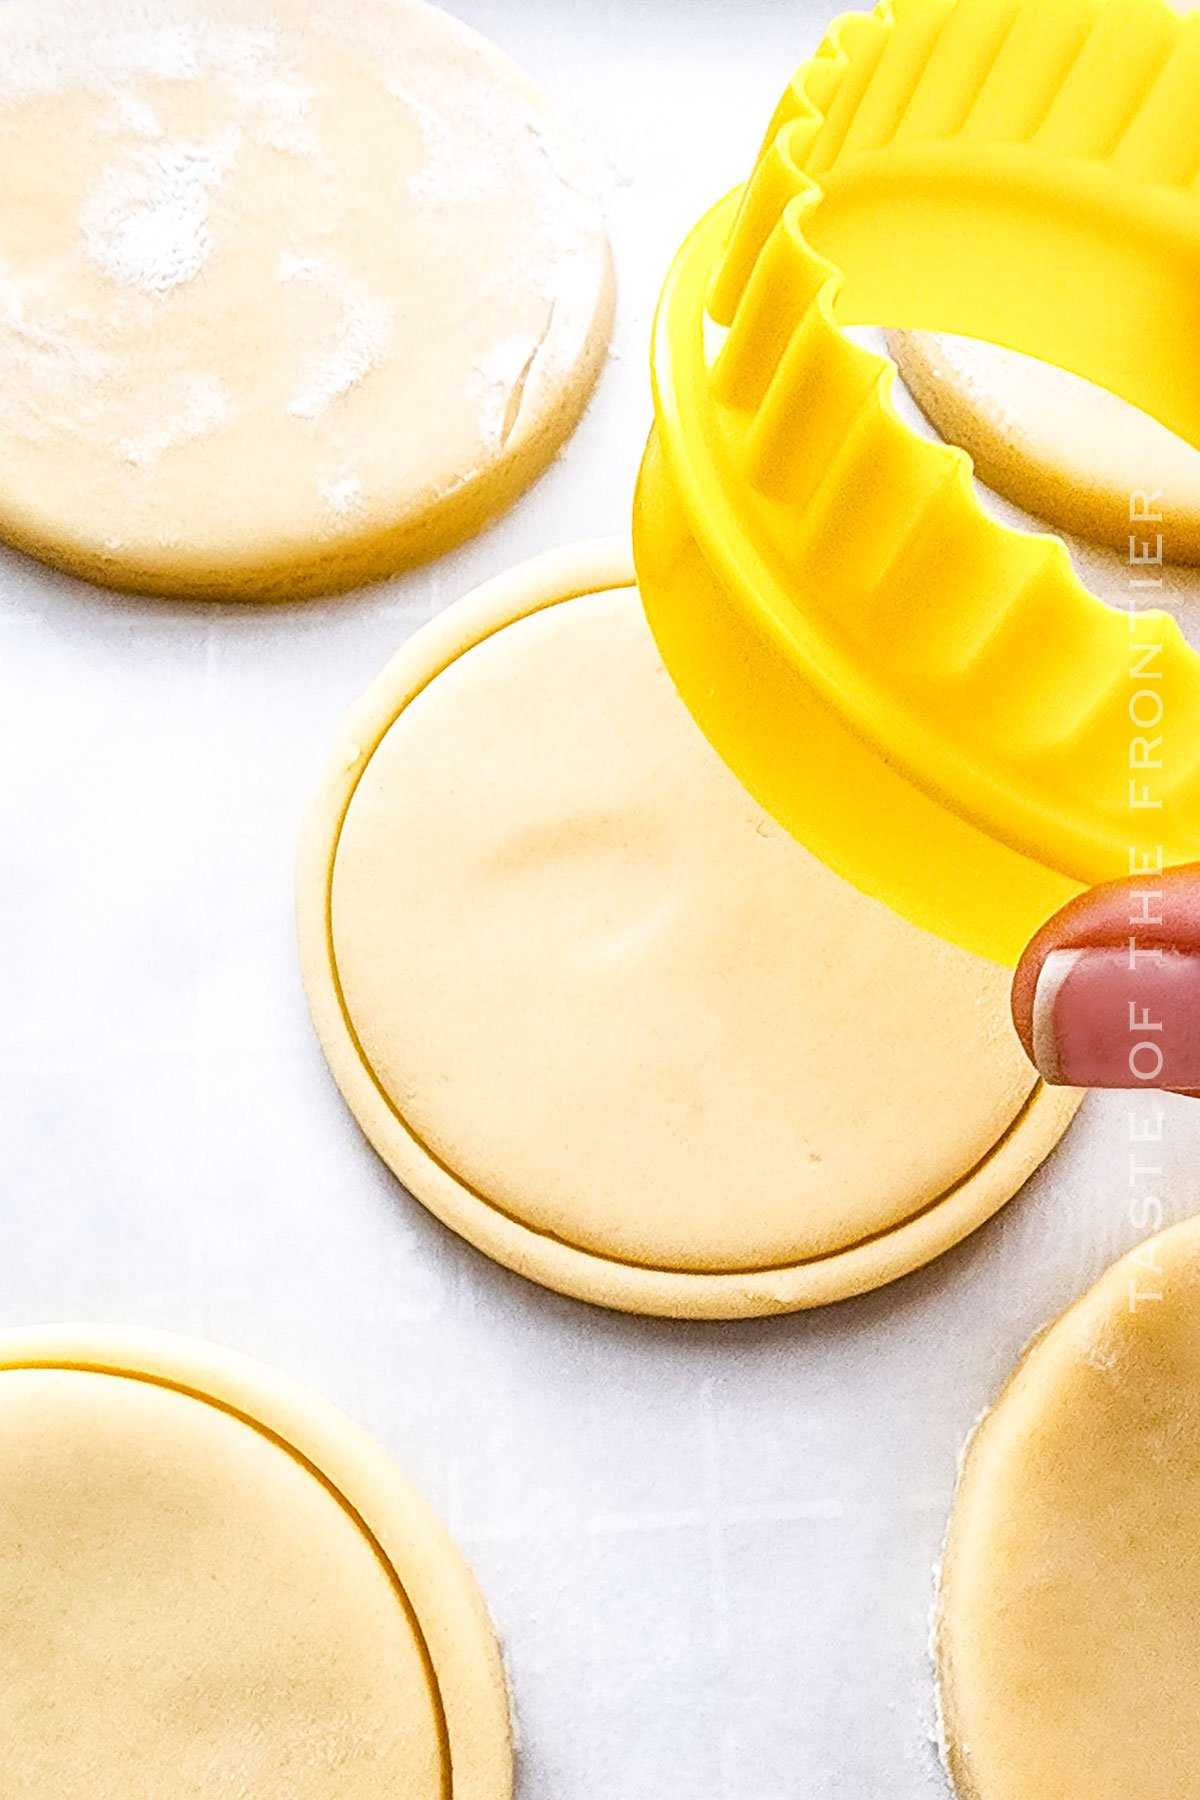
x=465, y=1682
x=592, y=567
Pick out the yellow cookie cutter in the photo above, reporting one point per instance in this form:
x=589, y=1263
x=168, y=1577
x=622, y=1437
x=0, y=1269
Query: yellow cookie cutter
x=931, y=701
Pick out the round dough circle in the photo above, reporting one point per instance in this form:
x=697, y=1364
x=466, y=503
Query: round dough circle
x=292, y=292
x=211, y=1584
x=603, y=1016
x=1062, y=449
x=1067, y=1647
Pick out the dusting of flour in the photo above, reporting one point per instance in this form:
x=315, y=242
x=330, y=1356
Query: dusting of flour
x=113, y=348
x=200, y=403
x=483, y=149
x=342, y=494
x=363, y=336
x=145, y=223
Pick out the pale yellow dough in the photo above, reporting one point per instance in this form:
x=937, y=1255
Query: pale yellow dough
x=1067, y=1637
x=291, y=291
x=194, y=1607
x=1065, y=451
x=613, y=1001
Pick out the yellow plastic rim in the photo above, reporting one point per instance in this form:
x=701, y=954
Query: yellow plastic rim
x=467, y=1688
x=930, y=701
x=554, y=1263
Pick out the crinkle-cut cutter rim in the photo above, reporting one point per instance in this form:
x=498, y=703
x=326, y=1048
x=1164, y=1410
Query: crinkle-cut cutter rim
x=930, y=700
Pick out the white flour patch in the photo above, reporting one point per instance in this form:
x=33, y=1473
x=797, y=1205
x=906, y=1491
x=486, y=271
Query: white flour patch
x=60, y=371
x=175, y=52
x=146, y=222
x=136, y=115
x=482, y=146
x=438, y=178
x=473, y=154
x=364, y=334
x=342, y=494
x=201, y=404
x=278, y=113
x=159, y=53
x=249, y=64
x=486, y=149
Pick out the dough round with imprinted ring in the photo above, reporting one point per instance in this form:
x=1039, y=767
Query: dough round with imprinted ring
x=212, y=1586
x=603, y=1015
x=1068, y=452
x=1067, y=1642
x=292, y=292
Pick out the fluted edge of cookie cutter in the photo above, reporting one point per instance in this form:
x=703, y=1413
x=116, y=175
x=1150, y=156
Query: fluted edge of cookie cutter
x=930, y=700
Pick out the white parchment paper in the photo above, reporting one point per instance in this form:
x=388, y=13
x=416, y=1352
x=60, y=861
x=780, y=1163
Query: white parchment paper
x=708, y=1549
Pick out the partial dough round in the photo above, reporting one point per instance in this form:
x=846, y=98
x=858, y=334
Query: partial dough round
x=1062, y=449
x=1067, y=1638
x=211, y=1586
x=292, y=292
x=608, y=1020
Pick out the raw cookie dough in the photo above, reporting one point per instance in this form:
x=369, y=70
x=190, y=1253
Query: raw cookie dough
x=1062, y=449
x=1067, y=1637
x=211, y=1586
x=292, y=292
x=602, y=1015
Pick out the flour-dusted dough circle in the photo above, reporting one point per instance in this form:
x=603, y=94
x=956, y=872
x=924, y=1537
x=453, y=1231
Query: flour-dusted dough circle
x=1062, y=449
x=212, y=1586
x=292, y=292
x=1067, y=1634
x=601, y=1014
